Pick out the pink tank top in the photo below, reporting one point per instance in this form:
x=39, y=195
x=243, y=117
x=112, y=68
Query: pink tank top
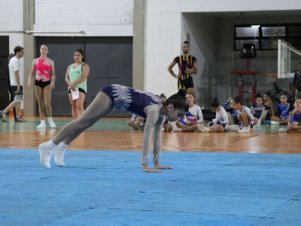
x=43, y=70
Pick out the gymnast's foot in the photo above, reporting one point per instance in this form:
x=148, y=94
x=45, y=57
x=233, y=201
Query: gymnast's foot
x=46, y=151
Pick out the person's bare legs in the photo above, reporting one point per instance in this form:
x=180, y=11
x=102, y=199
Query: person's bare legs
x=73, y=108
x=39, y=96
x=47, y=92
x=217, y=128
x=244, y=119
x=47, y=99
x=77, y=106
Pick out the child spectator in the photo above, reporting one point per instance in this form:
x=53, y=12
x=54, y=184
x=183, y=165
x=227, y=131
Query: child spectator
x=282, y=114
x=259, y=110
x=194, y=116
x=221, y=121
x=294, y=124
x=245, y=116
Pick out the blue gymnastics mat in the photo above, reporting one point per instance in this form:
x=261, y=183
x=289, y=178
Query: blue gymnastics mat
x=108, y=188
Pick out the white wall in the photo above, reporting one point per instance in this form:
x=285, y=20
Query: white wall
x=94, y=17
x=11, y=22
x=163, y=33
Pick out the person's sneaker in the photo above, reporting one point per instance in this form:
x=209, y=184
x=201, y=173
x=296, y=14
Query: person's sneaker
x=20, y=119
x=42, y=125
x=176, y=129
x=46, y=152
x=59, y=153
x=233, y=128
x=51, y=123
x=3, y=116
x=282, y=130
x=202, y=128
x=274, y=123
x=244, y=130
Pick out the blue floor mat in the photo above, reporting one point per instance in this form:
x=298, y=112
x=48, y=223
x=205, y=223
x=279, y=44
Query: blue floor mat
x=108, y=188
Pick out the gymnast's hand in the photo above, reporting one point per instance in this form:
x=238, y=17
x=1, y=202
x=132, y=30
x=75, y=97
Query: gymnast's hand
x=158, y=166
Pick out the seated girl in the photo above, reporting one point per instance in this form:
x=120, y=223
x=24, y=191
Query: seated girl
x=294, y=124
x=136, y=122
x=282, y=114
x=221, y=121
x=232, y=114
x=245, y=116
x=259, y=110
x=194, y=116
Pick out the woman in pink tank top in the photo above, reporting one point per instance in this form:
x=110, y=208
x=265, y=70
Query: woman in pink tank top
x=43, y=68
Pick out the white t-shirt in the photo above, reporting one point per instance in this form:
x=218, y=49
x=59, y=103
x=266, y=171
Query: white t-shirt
x=194, y=114
x=15, y=65
x=221, y=116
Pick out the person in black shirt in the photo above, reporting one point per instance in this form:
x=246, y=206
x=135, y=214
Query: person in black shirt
x=187, y=67
x=297, y=82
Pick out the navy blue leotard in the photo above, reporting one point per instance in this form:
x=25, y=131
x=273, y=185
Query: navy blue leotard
x=130, y=100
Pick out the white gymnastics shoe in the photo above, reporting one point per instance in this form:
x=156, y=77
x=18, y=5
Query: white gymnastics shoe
x=42, y=125
x=51, y=123
x=46, y=151
x=59, y=154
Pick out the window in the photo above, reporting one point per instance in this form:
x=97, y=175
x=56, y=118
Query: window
x=265, y=36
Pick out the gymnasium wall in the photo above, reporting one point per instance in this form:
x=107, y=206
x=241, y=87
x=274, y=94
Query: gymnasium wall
x=167, y=24
x=93, y=17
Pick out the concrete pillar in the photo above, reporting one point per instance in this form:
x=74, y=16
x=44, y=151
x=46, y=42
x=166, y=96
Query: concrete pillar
x=138, y=44
x=29, y=54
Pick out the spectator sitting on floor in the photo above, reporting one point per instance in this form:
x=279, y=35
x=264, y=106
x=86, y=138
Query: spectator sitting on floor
x=282, y=114
x=270, y=106
x=191, y=119
x=232, y=114
x=221, y=121
x=294, y=124
x=137, y=122
x=245, y=116
x=259, y=110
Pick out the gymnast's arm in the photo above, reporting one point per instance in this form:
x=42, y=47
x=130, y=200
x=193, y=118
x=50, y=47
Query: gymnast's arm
x=152, y=113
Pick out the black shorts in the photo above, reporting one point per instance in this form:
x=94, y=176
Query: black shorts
x=79, y=89
x=185, y=83
x=14, y=95
x=41, y=83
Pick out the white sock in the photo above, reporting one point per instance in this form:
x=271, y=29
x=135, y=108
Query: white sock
x=51, y=144
x=42, y=124
x=63, y=145
x=51, y=122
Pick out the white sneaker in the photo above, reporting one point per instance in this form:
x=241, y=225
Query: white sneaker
x=274, y=123
x=42, y=125
x=176, y=129
x=244, y=130
x=233, y=128
x=45, y=154
x=202, y=128
x=51, y=123
x=59, y=153
x=282, y=130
